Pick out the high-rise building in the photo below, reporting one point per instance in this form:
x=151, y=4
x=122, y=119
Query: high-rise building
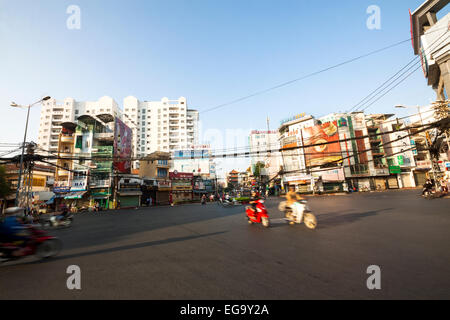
x=54, y=113
x=165, y=125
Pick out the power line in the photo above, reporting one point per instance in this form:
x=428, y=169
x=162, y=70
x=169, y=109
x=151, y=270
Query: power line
x=388, y=82
x=305, y=76
x=310, y=74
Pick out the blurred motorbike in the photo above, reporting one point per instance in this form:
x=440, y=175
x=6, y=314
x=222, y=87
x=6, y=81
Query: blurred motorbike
x=39, y=244
x=259, y=214
x=297, y=213
x=58, y=221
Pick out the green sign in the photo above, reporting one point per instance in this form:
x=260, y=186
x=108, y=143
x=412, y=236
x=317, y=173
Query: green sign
x=395, y=169
x=400, y=160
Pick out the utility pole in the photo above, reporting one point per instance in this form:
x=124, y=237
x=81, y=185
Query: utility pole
x=433, y=169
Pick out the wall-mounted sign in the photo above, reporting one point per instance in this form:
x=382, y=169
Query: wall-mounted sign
x=181, y=175
x=342, y=122
x=395, y=169
x=298, y=116
x=264, y=132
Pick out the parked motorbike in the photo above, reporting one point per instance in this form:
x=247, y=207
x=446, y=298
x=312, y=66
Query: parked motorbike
x=259, y=215
x=298, y=214
x=39, y=244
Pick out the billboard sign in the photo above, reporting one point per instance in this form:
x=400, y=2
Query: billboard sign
x=329, y=150
x=122, y=146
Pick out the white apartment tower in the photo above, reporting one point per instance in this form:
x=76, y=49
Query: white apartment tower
x=54, y=112
x=165, y=125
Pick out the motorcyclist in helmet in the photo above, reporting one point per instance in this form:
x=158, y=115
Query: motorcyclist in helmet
x=13, y=230
x=254, y=199
x=428, y=186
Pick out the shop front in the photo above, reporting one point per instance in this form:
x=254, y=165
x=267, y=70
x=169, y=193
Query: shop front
x=299, y=183
x=163, y=192
x=421, y=172
x=393, y=181
x=100, y=196
x=181, y=186
x=129, y=198
x=129, y=193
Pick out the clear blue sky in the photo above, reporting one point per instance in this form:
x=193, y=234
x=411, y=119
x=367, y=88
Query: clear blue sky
x=208, y=51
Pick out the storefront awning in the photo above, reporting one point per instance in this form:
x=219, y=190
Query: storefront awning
x=75, y=195
x=51, y=201
x=61, y=195
x=130, y=193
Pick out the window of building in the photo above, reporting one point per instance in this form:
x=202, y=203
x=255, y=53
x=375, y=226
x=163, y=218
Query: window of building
x=162, y=172
x=76, y=111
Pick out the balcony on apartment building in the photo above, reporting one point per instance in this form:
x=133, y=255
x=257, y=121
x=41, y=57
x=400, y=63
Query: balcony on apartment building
x=100, y=183
x=104, y=136
x=103, y=166
x=359, y=169
x=100, y=151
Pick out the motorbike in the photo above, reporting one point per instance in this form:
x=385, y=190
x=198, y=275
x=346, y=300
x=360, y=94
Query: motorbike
x=58, y=221
x=39, y=244
x=259, y=215
x=301, y=213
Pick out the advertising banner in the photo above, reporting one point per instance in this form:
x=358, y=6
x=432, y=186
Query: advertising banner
x=181, y=175
x=122, y=146
x=334, y=175
x=329, y=151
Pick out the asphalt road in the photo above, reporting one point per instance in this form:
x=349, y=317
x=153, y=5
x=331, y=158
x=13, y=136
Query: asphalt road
x=210, y=252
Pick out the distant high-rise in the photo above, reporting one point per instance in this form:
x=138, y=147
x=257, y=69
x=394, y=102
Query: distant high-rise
x=165, y=125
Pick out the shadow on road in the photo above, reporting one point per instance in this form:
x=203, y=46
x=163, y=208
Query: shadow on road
x=334, y=219
x=127, y=247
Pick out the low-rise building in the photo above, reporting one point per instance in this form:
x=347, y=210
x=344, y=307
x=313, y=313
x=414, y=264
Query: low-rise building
x=155, y=167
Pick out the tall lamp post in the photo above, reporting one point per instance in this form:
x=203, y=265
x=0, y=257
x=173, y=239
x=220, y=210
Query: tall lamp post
x=15, y=105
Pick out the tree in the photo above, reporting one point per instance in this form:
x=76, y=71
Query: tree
x=5, y=186
x=257, y=169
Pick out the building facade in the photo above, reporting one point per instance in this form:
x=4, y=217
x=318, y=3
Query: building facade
x=260, y=142
x=165, y=125
x=54, y=113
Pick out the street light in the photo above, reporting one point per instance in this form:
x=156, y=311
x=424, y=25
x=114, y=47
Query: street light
x=15, y=105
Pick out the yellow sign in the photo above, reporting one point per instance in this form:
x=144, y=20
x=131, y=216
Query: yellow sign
x=36, y=182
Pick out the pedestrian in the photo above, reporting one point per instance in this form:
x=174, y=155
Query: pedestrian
x=148, y=202
x=151, y=201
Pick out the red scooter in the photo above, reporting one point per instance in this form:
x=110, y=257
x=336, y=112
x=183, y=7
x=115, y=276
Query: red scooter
x=259, y=215
x=39, y=244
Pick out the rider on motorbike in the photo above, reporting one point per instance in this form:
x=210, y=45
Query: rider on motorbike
x=292, y=201
x=12, y=230
x=254, y=200
x=427, y=186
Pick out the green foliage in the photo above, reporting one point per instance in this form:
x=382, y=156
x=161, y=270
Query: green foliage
x=5, y=186
x=257, y=168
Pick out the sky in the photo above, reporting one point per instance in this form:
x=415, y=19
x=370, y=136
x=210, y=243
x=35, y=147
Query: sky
x=210, y=52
